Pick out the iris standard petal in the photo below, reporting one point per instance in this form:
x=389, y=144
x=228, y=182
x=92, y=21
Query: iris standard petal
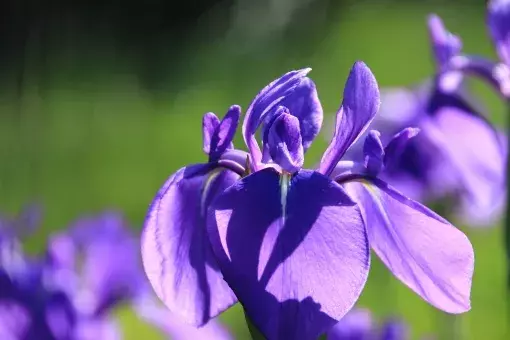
x=444, y=44
x=297, y=259
x=421, y=249
x=498, y=20
x=373, y=152
x=224, y=133
x=210, y=123
x=359, y=106
x=285, y=144
x=267, y=100
x=397, y=144
x=176, y=253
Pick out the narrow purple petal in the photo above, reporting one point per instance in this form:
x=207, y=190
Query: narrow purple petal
x=359, y=106
x=445, y=44
x=498, y=20
x=421, y=249
x=210, y=123
x=397, y=144
x=176, y=253
x=373, y=152
x=295, y=253
x=285, y=144
x=224, y=134
x=267, y=100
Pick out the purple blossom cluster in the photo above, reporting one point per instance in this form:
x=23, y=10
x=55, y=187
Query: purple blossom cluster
x=72, y=290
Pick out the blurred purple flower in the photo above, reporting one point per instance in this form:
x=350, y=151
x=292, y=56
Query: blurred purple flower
x=359, y=325
x=293, y=244
x=459, y=155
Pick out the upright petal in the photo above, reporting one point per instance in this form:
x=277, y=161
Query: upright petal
x=293, y=90
x=498, y=20
x=297, y=259
x=397, y=144
x=359, y=106
x=210, y=123
x=284, y=143
x=444, y=44
x=373, y=152
x=421, y=249
x=176, y=253
x=224, y=133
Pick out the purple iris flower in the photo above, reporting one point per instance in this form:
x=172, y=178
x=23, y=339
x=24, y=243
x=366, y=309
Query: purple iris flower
x=459, y=155
x=98, y=259
x=358, y=324
x=294, y=244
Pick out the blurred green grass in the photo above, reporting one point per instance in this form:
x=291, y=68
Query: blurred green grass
x=89, y=137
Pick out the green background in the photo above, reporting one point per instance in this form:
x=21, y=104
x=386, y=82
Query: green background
x=82, y=133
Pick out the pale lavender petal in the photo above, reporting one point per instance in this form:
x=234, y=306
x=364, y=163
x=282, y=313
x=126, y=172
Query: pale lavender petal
x=421, y=249
x=359, y=106
x=373, y=152
x=266, y=101
x=224, y=134
x=498, y=20
x=445, y=44
x=98, y=328
x=176, y=253
x=295, y=253
x=478, y=156
x=210, y=123
x=285, y=144
x=397, y=144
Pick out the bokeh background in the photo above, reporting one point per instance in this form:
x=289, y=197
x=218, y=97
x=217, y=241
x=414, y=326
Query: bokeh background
x=100, y=101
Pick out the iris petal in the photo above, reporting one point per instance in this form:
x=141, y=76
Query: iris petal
x=373, y=152
x=176, y=253
x=359, y=106
x=498, y=19
x=297, y=262
x=422, y=250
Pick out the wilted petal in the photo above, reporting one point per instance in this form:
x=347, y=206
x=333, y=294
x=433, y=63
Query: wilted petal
x=373, y=152
x=284, y=143
x=498, y=19
x=272, y=96
x=359, y=106
x=210, y=123
x=297, y=259
x=422, y=250
x=176, y=253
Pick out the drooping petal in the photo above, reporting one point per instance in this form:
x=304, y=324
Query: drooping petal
x=296, y=255
x=293, y=90
x=373, y=152
x=284, y=143
x=176, y=253
x=444, y=44
x=421, y=249
x=210, y=123
x=224, y=133
x=498, y=20
x=397, y=144
x=359, y=106
x=479, y=162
